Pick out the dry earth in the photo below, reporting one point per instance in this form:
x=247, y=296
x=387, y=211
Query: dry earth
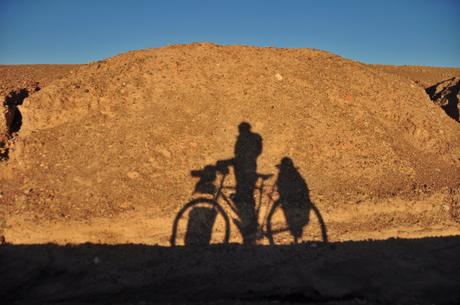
x=424, y=76
x=16, y=77
x=104, y=154
x=18, y=82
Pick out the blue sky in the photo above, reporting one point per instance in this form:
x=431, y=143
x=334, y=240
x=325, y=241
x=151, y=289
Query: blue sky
x=422, y=32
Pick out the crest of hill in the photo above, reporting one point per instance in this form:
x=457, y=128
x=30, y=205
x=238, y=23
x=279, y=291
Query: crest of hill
x=126, y=131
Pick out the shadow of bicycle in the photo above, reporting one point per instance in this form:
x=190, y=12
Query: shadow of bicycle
x=284, y=211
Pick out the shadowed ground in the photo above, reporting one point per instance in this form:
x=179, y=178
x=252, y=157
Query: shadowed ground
x=395, y=271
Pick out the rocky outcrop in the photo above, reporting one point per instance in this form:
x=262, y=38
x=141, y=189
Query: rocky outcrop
x=446, y=94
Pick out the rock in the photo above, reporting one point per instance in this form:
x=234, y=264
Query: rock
x=133, y=175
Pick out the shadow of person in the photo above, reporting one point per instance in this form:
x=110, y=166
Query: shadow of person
x=248, y=147
x=294, y=197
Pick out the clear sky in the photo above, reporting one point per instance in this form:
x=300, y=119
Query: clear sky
x=412, y=32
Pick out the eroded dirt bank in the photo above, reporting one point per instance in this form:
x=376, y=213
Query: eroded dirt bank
x=17, y=82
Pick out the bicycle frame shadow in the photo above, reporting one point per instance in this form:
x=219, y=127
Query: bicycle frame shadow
x=292, y=201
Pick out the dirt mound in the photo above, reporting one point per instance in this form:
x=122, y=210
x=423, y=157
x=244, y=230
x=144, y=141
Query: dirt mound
x=111, y=153
x=446, y=94
x=124, y=133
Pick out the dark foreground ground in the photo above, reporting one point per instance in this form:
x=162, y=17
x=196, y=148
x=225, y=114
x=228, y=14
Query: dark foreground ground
x=396, y=271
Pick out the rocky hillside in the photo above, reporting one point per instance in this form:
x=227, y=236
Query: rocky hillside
x=126, y=132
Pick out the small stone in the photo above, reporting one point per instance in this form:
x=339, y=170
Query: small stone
x=125, y=205
x=21, y=199
x=278, y=76
x=164, y=152
x=133, y=175
x=96, y=260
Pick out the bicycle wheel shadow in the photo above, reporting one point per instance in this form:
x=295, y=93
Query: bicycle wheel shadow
x=201, y=213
